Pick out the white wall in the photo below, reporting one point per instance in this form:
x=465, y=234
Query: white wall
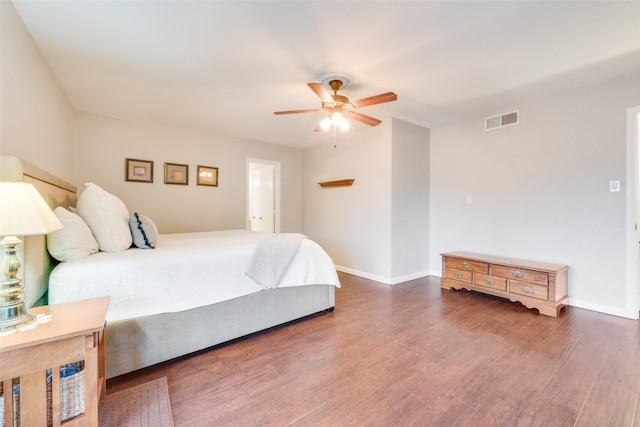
x=377, y=228
x=353, y=224
x=101, y=146
x=540, y=190
x=409, y=201
x=36, y=122
x=36, y=118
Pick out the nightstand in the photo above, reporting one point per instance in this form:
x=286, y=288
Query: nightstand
x=74, y=333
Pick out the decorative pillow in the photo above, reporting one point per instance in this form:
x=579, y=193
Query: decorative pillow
x=107, y=217
x=143, y=231
x=74, y=241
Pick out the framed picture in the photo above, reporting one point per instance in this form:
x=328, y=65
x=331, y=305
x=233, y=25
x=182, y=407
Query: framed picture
x=176, y=174
x=138, y=170
x=207, y=175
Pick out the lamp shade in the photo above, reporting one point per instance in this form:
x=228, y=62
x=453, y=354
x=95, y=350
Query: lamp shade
x=24, y=212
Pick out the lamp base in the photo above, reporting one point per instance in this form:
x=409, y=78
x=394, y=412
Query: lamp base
x=13, y=310
x=13, y=317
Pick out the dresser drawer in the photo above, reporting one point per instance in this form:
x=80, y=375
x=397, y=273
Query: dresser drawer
x=529, y=289
x=462, y=276
x=465, y=264
x=491, y=282
x=521, y=274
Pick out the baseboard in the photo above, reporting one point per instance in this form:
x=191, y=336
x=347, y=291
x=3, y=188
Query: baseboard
x=600, y=308
x=407, y=277
x=382, y=279
x=363, y=274
x=606, y=309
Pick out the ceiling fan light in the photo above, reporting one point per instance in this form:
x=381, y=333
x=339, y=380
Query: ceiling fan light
x=336, y=119
x=345, y=125
x=325, y=124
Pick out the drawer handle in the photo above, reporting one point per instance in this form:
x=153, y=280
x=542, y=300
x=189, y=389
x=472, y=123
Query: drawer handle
x=464, y=264
x=527, y=289
x=490, y=282
x=458, y=275
x=518, y=274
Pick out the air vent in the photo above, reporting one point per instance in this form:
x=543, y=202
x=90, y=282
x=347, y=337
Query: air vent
x=502, y=120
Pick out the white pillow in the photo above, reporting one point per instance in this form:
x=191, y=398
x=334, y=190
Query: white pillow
x=143, y=231
x=74, y=241
x=107, y=217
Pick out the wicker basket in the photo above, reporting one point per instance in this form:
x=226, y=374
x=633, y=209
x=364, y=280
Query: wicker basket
x=71, y=392
x=71, y=395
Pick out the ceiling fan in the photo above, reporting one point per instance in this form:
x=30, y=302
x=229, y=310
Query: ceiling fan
x=340, y=107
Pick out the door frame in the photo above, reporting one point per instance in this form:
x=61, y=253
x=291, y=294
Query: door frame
x=633, y=245
x=276, y=189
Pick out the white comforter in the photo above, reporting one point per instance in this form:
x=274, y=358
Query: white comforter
x=185, y=271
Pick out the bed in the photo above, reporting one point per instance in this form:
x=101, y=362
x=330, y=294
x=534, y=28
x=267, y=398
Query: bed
x=219, y=290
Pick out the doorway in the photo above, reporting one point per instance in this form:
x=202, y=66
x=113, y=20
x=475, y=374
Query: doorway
x=633, y=213
x=263, y=196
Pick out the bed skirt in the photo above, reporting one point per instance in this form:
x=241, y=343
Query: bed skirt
x=141, y=342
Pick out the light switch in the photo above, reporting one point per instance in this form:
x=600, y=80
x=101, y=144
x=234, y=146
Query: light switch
x=614, y=186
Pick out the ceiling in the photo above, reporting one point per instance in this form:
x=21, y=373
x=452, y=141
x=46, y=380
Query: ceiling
x=224, y=67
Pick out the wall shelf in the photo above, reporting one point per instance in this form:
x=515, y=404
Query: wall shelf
x=339, y=183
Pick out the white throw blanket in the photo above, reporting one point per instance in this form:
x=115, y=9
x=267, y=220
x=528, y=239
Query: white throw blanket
x=271, y=258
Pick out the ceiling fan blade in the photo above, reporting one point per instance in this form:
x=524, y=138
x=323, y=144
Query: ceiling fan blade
x=318, y=129
x=322, y=93
x=367, y=120
x=277, y=113
x=376, y=99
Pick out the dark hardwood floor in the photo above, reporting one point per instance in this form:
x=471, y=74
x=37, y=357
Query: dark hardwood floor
x=413, y=354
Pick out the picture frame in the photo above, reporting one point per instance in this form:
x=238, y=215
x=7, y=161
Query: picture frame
x=137, y=170
x=175, y=173
x=207, y=175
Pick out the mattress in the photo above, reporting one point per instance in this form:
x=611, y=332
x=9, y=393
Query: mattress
x=185, y=271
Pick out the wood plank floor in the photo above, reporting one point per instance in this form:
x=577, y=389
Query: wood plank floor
x=413, y=354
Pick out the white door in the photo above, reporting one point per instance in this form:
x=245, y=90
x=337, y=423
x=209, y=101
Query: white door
x=262, y=192
x=633, y=214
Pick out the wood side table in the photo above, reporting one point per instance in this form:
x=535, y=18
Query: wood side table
x=75, y=332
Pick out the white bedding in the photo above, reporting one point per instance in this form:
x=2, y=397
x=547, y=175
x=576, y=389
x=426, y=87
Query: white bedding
x=185, y=271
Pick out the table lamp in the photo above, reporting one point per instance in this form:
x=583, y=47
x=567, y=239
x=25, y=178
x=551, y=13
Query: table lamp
x=23, y=212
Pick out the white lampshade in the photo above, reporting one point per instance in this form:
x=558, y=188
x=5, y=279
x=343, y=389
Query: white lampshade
x=24, y=212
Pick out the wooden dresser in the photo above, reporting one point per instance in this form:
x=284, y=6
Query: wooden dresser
x=535, y=284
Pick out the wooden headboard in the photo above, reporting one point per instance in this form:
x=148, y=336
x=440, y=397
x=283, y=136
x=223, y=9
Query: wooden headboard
x=36, y=262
